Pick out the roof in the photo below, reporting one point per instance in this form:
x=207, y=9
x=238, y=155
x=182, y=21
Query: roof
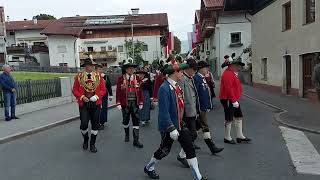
x=27, y=25
x=75, y=25
x=216, y=4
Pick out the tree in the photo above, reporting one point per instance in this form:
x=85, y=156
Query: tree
x=44, y=17
x=138, y=48
x=177, y=45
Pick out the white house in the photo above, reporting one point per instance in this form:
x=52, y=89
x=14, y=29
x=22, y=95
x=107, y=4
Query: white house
x=73, y=39
x=225, y=29
x=286, y=41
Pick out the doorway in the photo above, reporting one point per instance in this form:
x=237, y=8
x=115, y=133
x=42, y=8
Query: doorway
x=288, y=74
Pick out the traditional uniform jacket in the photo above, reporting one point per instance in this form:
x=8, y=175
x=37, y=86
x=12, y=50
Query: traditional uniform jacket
x=190, y=96
x=159, y=79
x=123, y=87
x=230, y=86
x=204, y=92
x=83, y=87
x=170, y=106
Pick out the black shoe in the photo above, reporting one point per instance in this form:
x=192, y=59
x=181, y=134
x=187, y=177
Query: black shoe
x=213, y=148
x=151, y=174
x=245, y=140
x=183, y=161
x=229, y=141
x=15, y=117
x=196, y=147
x=85, y=144
x=127, y=138
x=204, y=178
x=8, y=119
x=93, y=148
x=101, y=127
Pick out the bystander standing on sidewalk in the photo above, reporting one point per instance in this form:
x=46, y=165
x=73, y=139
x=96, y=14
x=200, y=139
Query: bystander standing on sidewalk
x=9, y=92
x=316, y=79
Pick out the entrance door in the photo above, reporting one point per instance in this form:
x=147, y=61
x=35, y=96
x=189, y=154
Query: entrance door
x=308, y=64
x=288, y=74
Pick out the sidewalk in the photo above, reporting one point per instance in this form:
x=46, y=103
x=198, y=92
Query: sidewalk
x=40, y=120
x=298, y=113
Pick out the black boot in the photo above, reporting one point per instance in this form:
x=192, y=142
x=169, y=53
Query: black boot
x=213, y=148
x=127, y=138
x=85, y=144
x=136, y=142
x=93, y=139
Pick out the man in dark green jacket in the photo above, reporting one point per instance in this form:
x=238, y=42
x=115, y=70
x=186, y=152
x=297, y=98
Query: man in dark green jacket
x=316, y=79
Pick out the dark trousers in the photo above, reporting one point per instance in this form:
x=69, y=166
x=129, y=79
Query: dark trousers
x=202, y=122
x=229, y=111
x=89, y=112
x=132, y=110
x=9, y=102
x=104, y=110
x=318, y=93
x=191, y=123
x=184, y=139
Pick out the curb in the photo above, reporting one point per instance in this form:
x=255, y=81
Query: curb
x=277, y=116
x=19, y=135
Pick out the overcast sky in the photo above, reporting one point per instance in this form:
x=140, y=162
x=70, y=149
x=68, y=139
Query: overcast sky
x=180, y=12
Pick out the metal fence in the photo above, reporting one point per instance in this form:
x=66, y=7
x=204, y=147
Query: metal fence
x=51, y=69
x=35, y=90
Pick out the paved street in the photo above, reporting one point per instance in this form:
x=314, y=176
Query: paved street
x=56, y=154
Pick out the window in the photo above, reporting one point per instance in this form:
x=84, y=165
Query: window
x=310, y=11
x=145, y=47
x=236, y=38
x=264, y=69
x=90, y=49
x=39, y=44
x=63, y=64
x=62, y=49
x=287, y=16
x=120, y=48
x=89, y=32
x=103, y=49
x=15, y=59
x=110, y=48
x=12, y=33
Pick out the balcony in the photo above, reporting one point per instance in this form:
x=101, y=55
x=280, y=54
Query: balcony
x=27, y=49
x=103, y=55
x=207, y=27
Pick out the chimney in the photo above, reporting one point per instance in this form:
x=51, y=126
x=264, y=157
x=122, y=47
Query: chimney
x=135, y=11
x=35, y=21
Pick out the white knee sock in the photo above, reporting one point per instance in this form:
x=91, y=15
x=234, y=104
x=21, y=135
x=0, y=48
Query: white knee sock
x=227, y=131
x=193, y=163
x=206, y=135
x=182, y=154
x=151, y=165
x=238, y=124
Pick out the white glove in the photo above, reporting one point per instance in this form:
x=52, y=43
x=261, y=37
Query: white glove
x=236, y=104
x=174, y=135
x=155, y=103
x=119, y=107
x=140, y=106
x=103, y=74
x=93, y=99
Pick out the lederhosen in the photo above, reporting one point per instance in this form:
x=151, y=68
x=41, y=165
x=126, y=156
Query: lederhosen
x=132, y=109
x=90, y=111
x=230, y=112
x=185, y=138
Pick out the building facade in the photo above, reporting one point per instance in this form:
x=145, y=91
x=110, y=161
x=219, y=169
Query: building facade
x=73, y=39
x=285, y=43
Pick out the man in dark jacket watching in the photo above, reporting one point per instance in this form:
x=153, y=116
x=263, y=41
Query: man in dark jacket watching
x=8, y=86
x=316, y=79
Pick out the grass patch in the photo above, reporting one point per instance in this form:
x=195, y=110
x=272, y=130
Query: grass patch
x=22, y=76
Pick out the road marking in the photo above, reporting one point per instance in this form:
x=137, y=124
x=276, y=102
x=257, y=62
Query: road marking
x=303, y=154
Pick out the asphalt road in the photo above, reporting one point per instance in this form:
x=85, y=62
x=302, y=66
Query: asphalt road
x=56, y=154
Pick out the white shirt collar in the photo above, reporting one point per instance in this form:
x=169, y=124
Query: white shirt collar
x=172, y=82
x=128, y=76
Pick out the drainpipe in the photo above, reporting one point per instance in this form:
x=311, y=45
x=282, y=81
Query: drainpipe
x=75, y=52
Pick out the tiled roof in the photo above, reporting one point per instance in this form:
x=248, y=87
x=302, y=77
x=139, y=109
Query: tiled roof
x=213, y=3
x=75, y=25
x=27, y=25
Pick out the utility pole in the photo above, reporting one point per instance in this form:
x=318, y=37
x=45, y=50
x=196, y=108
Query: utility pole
x=132, y=35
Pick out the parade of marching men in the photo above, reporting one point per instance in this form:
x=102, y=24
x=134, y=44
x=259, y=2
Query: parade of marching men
x=182, y=93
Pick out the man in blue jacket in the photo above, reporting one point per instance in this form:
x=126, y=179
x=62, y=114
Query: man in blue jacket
x=9, y=93
x=205, y=103
x=171, y=126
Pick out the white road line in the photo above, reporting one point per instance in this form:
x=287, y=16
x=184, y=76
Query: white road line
x=304, y=156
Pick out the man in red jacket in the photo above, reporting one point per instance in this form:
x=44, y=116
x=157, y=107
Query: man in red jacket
x=89, y=88
x=230, y=93
x=129, y=99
